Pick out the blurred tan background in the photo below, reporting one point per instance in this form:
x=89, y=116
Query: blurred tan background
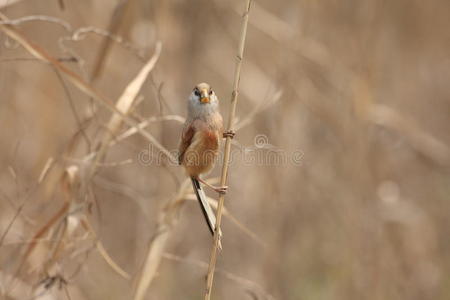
x=359, y=88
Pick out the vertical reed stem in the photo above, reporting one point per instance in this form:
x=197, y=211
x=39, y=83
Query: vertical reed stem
x=223, y=180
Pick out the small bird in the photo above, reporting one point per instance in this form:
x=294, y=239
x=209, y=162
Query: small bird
x=199, y=145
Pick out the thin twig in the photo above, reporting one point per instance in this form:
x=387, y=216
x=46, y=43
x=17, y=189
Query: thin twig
x=258, y=108
x=82, y=32
x=226, y=159
x=130, y=131
x=73, y=108
x=43, y=18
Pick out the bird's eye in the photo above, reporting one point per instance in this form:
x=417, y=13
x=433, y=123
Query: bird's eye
x=197, y=93
x=211, y=92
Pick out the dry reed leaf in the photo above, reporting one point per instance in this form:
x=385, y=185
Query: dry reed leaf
x=125, y=102
x=123, y=105
x=152, y=261
x=47, y=166
x=158, y=243
x=120, y=11
x=418, y=138
x=101, y=249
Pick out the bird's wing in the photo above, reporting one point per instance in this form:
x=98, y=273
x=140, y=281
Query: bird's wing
x=186, y=140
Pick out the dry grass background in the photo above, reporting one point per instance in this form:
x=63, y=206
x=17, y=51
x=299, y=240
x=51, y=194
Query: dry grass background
x=364, y=97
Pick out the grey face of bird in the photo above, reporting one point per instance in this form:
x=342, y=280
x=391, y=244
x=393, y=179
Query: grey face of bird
x=202, y=101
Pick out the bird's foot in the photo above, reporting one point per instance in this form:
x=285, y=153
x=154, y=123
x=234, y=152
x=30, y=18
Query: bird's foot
x=229, y=133
x=222, y=190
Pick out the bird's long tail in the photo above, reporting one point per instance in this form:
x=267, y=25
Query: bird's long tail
x=204, y=205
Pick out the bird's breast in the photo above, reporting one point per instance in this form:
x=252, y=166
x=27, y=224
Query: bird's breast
x=202, y=153
x=211, y=139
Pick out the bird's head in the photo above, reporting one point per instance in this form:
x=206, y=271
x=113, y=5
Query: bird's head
x=203, y=99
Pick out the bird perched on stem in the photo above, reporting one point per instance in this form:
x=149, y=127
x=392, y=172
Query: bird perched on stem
x=200, y=140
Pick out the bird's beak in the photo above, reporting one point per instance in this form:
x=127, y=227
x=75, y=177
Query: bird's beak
x=204, y=97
